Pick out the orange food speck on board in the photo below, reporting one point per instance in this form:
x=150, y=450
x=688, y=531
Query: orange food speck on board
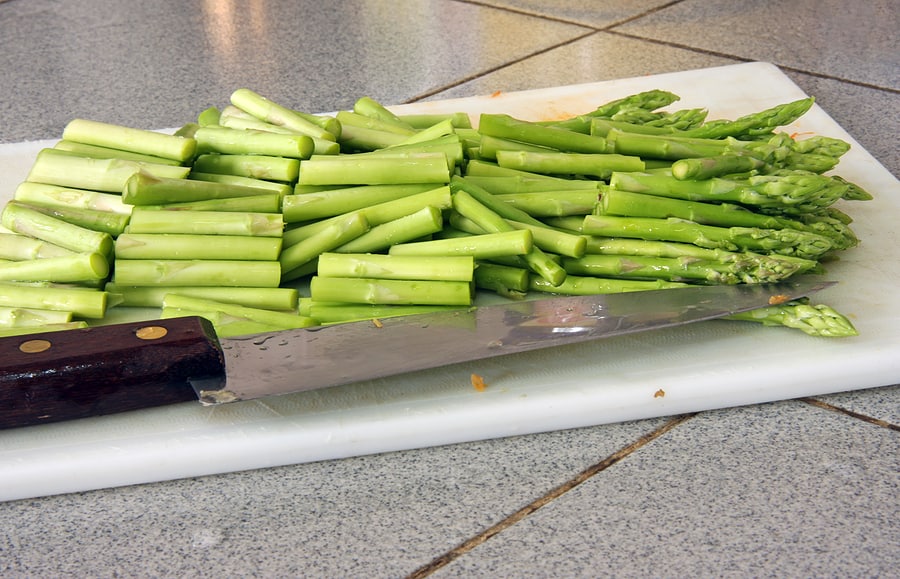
x=377, y=323
x=496, y=93
x=797, y=134
x=778, y=299
x=478, y=383
x=659, y=393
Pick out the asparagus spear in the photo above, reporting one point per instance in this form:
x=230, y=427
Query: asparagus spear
x=375, y=170
x=269, y=298
x=278, y=320
x=206, y=223
x=272, y=112
x=390, y=291
x=54, y=167
x=196, y=272
x=483, y=246
x=193, y=246
x=130, y=139
x=22, y=219
x=29, y=317
x=394, y=266
x=249, y=142
x=507, y=127
x=71, y=268
x=57, y=196
x=598, y=165
x=816, y=320
x=312, y=206
x=422, y=223
x=782, y=241
x=84, y=303
x=266, y=167
x=18, y=247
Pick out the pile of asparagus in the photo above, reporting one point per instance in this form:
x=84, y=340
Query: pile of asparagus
x=382, y=215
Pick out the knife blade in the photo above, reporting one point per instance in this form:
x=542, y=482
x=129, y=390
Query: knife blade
x=57, y=376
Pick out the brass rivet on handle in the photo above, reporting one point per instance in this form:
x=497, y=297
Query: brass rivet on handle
x=151, y=332
x=34, y=346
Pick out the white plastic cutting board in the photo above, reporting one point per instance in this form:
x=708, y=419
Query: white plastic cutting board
x=698, y=367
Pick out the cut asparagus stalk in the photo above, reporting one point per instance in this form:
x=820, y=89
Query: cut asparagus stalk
x=182, y=246
x=374, y=170
x=249, y=142
x=68, y=269
x=509, y=282
x=86, y=150
x=486, y=246
x=178, y=272
x=600, y=166
x=266, y=167
x=390, y=291
x=102, y=221
x=367, y=106
x=145, y=189
x=336, y=233
x=422, y=223
x=11, y=317
x=20, y=218
x=280, y=298
x=312, y=206
x=83, y=303
x=271, y=112
x=267, y=203
x=411, y=267
x=130, y=139
x=282, y=189
x=55, y=195
x=18, y=247
x=331, y=313
x=507, y=127
x=206, y=223
x=27, y=330
x=280, y=320
x=54, y=167
x=582, y=285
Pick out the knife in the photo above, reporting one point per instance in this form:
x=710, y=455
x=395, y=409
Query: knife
x=57, y=376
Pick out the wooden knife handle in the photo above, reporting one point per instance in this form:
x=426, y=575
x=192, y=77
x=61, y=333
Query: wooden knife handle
x=55, y=376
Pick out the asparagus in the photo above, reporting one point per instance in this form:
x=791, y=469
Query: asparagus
x=54, y=195
x=709, y=167
x=394, y=266
x=18, y=247
x=582, y=285
x=53, y=167
x=598, y=165
x=192, y=246
x=509, y=282
x=506, y=127
x=84, y=303
x=196, y=272
x=378, y=214
x=552, y=203
x=375, y=170
x=146, y=189
x=281, y=189
x=459, y=120
x=312, y=206
x=269, y=298
x=224, y=324
x=789, y=193
x=333, y=313
x=11, y=317
x=271, y=112
x=335, y=234
x=249, y=142
x=102, y=221
x=390, y=291
x=277, y=319
x=206, y=223
x=482, y=246
x=266, y=167
x=367, y=106
x=71, y=268
x=466, y=205
x=52, y=327
x=266, y=203
x=688, y=270
x=97, y=152
x=22, y=219
x=782, y=241
x=129, y=139
x=422, y=223
x=761, y=122
x=816, y=320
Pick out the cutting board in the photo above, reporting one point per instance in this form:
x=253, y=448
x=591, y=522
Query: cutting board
x=693, y=368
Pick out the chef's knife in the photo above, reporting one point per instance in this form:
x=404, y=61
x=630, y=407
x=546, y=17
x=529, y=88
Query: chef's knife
x=56, y=376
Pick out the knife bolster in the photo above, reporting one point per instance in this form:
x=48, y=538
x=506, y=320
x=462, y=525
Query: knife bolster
x=55, y=376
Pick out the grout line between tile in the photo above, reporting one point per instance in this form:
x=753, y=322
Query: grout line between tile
x=832, y=408
x=744, y=59
x=495, y=68
x=546, y=499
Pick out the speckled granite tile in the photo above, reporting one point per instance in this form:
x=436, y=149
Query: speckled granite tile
x=871, y=116
x=598, y=57
x=159, y=63
x=878, y=403
x=777, y=490
x=595, y=14
x=373, y=516
x=820, y=36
